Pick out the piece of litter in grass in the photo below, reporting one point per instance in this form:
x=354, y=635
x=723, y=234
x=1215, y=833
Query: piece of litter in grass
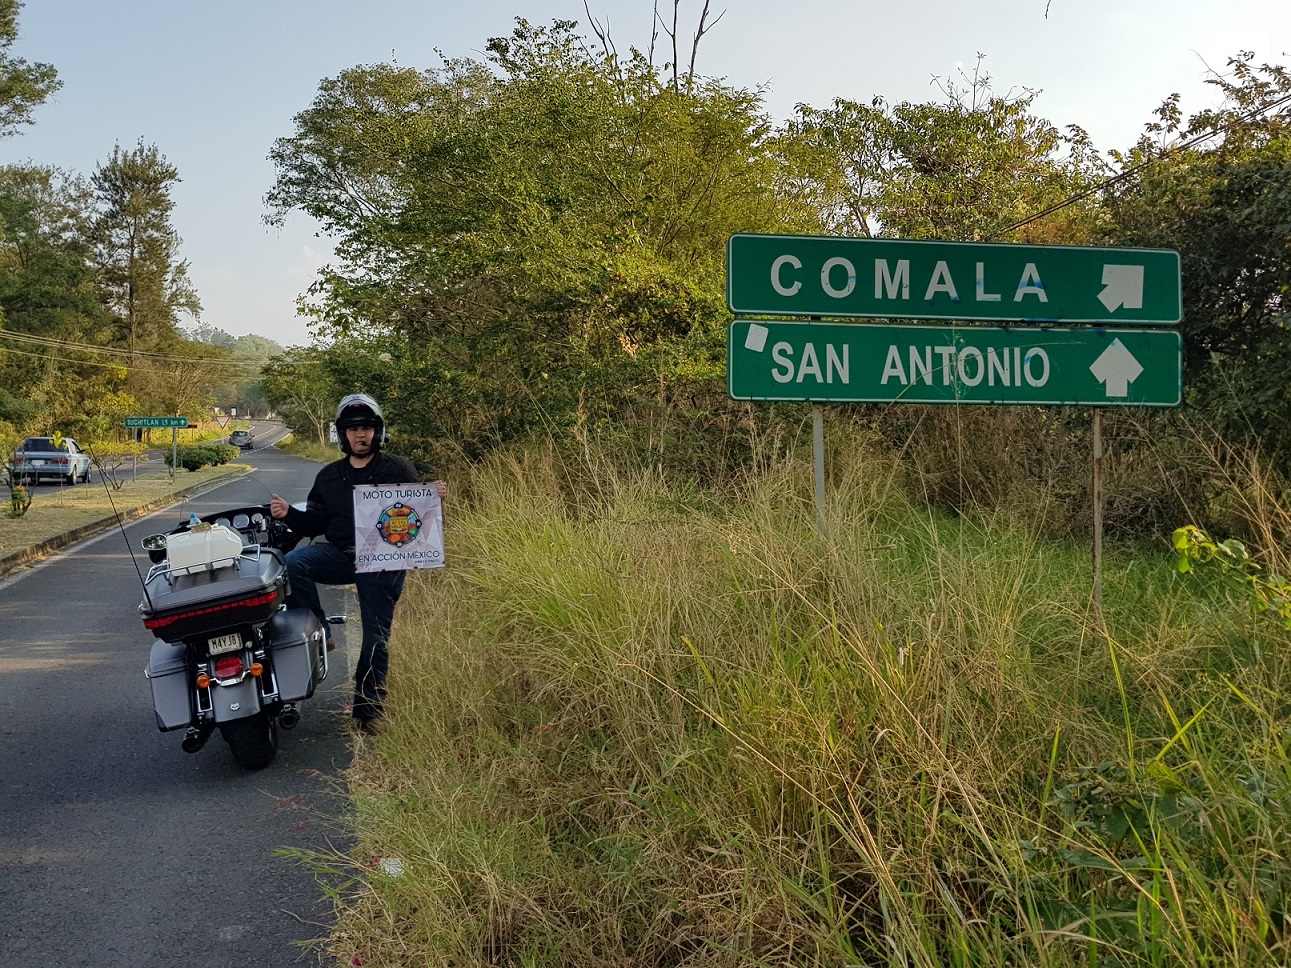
x=393, y=866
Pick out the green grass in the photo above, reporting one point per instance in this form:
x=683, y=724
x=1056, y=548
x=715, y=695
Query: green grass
x=632, y=724
x=309, y=448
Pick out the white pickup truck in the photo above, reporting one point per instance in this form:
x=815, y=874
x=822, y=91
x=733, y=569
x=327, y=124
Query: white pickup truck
x=38, y=457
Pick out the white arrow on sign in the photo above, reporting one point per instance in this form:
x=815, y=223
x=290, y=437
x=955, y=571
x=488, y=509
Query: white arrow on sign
x=1117, y=368
x=1122, y=286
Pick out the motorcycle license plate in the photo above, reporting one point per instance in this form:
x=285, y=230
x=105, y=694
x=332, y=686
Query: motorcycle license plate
x=224, y=643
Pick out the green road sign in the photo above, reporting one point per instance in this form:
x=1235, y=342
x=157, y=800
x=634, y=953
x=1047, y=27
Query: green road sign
x=794, y=275
x=851, y=363
x=156, y=421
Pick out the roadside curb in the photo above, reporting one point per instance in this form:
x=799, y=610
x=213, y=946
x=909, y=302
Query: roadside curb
x=28, y=556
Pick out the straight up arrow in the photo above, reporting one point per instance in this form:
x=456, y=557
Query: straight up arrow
x=1117, y=368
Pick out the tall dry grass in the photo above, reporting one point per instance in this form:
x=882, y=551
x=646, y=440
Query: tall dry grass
x=634, y=723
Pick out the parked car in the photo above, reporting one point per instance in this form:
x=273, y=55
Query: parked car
x=38, y=457
x=241, y=438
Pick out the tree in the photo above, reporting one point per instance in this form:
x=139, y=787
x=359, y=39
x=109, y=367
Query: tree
x=23, y=86
x=534, y=240
x=143, y=282
x=965, y=169
x=300, y=388
x=48, y=299
x=1221, y=196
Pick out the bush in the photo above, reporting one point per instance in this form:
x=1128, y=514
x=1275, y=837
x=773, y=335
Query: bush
x=196, y=456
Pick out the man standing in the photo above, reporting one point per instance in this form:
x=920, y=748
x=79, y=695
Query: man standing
x=329, y=511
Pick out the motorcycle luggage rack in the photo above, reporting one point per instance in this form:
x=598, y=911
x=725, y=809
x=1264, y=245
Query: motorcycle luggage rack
x=162, y=569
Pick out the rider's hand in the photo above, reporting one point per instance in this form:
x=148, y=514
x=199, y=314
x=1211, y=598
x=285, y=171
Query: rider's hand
x=278, y=507
x=441, y=489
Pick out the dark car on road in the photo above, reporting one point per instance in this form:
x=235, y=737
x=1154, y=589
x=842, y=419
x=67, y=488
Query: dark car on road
x=241, y=438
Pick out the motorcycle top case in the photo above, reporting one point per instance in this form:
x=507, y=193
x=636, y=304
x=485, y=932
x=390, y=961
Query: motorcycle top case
x=299, y=663
x=200, y=603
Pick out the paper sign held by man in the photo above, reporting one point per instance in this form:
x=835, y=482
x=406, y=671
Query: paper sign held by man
x=398, y=527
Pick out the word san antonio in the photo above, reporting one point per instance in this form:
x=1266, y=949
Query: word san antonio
x=944, y=365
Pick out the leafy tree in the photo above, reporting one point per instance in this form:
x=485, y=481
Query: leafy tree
x=1221, y=196
x=534, y=240
x=299, y=385
x=144, y=282
x=48, y=297
x=23, y=86
x=964, y=169
x=243, y=390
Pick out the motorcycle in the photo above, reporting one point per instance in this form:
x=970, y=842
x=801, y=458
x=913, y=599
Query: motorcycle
x=229, y=654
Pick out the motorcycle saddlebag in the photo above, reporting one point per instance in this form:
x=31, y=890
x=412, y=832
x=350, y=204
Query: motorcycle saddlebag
x=298, y=652
x=167, y=673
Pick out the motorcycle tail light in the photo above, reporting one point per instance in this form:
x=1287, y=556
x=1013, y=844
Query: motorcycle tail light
x=162, y=621
x=228, y=667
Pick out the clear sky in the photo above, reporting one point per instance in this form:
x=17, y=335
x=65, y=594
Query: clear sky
x=213, y=84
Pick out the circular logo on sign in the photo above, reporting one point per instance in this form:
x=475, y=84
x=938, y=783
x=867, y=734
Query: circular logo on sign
x=398, y=524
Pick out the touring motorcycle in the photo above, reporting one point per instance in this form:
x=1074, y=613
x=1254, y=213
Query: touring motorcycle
x=229, y=654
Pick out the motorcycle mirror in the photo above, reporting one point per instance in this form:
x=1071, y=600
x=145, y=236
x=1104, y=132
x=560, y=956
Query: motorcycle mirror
x=154, y=542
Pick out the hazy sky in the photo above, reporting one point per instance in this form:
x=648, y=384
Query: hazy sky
x=213, y=84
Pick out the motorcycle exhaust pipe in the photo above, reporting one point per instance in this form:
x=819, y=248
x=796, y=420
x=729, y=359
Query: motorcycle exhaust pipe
x=289, y=717
x=194, y=740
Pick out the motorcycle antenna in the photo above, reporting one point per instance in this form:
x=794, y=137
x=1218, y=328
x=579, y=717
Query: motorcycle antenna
x=121, y=525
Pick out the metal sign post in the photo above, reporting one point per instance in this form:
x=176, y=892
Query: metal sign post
x=1098, y=519
x=818, y=461
x=172, y=422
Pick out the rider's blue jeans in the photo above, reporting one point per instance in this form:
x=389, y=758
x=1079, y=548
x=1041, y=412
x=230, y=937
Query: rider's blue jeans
x=378, y=592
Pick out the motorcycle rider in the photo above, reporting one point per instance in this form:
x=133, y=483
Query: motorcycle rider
x=329, y=511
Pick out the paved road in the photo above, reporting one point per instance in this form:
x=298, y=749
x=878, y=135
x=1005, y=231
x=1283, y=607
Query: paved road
x=116, y=848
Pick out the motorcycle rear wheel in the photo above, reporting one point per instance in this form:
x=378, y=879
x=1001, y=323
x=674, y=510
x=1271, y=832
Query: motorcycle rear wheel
x=253, y=741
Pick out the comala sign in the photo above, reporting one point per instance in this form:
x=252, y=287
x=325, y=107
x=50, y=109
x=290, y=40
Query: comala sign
x=788, y=275
x=841, y=363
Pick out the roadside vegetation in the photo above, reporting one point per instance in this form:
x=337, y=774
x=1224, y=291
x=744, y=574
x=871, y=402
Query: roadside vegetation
x=309, y=448
x=638, y=723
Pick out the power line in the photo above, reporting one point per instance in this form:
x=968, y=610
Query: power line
x=1131, y=172
x=63, y=359
x=73, y=346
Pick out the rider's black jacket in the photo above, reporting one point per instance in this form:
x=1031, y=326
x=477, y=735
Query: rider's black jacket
x=329, y=510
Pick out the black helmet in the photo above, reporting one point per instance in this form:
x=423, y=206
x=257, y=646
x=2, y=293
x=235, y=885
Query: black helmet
x=360, y=410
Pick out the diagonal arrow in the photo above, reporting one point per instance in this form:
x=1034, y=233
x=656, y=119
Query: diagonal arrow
x=1122, y=286
x=1117, y=368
